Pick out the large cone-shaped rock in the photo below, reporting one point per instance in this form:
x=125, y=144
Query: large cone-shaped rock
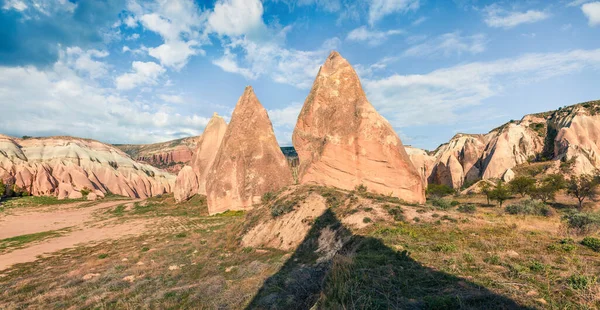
x=208, y=147
x=186, y=184
x=249, y=162
x=343, y=142
x=193, y=180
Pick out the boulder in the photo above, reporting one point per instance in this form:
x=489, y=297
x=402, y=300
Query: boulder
x=186, y=184
x=249, y=162
x=343, y=142
x=92, y=197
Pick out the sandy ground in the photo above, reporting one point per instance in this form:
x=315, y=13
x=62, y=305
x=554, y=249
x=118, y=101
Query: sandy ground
x=84, y=228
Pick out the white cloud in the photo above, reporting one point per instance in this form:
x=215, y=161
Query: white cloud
x=178, y=22
x=578, y=2
x=432, y=98
x=498, y=17
x=449, y=44
x=132, y=37
x=236, y=17
x=83, y=61
x=15, y=5
x=282, y=65
x=380, y=8
x=171, y=98
x=130, y=21
x=372, y=37
x=592, y=12
x=58, y=101
x=142, y=73
x=287, y=116
x=419, y=21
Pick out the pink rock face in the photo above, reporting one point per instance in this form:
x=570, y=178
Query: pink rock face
x=343, y=142
x=186, y=184
x=249, y=162
x=422, y=161
x=63, y=166
x=208, y=147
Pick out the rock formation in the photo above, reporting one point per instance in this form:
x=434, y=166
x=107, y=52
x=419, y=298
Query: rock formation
x=204, y=156
x=186, y=184
x=64, y=166
x=570, y=134
x=422, y=161
x=343, y=142
x=249, y=162
x=170, y=156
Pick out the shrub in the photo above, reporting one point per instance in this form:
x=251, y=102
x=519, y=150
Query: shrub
x=592, y=243
x=583, y=222
x=396, y=212
x=361, y=188
x=567, y=245
x=85, y=191
x=529, y=207
x=467, y=209
x=454, y=203
x=439, y=190
x=267, y=197
x=441, y=203
x=493, y=260
x=367, y=220
x=445, y=248
x=282, y=207
x=580, y=282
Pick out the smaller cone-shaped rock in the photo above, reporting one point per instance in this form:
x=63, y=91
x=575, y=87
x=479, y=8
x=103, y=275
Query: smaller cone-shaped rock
x=343, y=142
x=202, y=160
x=186, y=184
x=249, y=162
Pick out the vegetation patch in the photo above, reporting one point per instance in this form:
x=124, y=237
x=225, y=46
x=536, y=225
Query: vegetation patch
x=583, y=222
x=20, y=241
x=529, y=207
x=592, y=243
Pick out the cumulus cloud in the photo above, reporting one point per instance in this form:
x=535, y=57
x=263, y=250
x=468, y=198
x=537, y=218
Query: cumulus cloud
x=178, y=22
x=372, y=37
x=142, y=73
x=498, y=17
x=284, y=120
x=86, y=61
x=58, y=101
x=449, y=44
x=592, y=12
x=236, y=17
x=171, y=98
x=378, y=9
x=434, y=97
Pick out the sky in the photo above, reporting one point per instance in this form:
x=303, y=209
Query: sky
x=137, y=71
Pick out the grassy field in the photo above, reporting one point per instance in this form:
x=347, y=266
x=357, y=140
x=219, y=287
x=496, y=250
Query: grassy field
x=421, y=257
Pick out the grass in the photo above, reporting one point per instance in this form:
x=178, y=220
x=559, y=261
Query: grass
x=472, y=259
x=22, y=240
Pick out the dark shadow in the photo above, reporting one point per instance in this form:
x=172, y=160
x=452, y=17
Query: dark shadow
x=363, y=273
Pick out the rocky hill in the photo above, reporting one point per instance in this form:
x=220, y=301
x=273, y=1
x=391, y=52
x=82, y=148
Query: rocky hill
x=570, y=134
x=70, y=167
x=171, y=155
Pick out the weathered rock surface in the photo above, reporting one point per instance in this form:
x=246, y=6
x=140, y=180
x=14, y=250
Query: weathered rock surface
x=63, y=166
x=204, y=156
x=171, y=156
x=249, y=162
x=208, y=147
x=423, y=162
x=186, y=184
x=343, y=142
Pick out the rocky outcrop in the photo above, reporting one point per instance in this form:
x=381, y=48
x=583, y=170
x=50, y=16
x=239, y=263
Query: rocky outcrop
x=343, y=142
x=249, y=162
x=65, y=166
x=170, y=156
x=423, y=162
x=186, y=184
x=570, y=134
x=204, y=156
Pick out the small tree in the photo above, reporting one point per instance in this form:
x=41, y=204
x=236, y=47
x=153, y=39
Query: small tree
x=439, y=190
x=500, y=193
x=522, y=185
x=547, y=188
x=582, y=187
x=2, y=189
x=487, y=191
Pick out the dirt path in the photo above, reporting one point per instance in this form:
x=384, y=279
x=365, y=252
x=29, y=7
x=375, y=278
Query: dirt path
x=23, y=221
x=83, y=230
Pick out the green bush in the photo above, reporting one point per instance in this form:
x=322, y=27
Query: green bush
x=267, y=197
x=529, y=207
x=367, y=220
x=282, y=207
x=396, y=212
x=467, y=209
x=361, y=188
x=441, y=203
x=580, y=282
x=454, y=203
x=592, y=243
x=439, y=190
x=583, y=222
x=85, y=191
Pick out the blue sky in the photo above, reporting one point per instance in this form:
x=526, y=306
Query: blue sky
x=133, y=71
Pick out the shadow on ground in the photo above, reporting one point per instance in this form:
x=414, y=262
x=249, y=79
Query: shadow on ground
x=333, y=269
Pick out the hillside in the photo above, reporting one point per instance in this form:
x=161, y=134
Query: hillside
x=69, y=167
x=170, y=155
x=569, y=134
